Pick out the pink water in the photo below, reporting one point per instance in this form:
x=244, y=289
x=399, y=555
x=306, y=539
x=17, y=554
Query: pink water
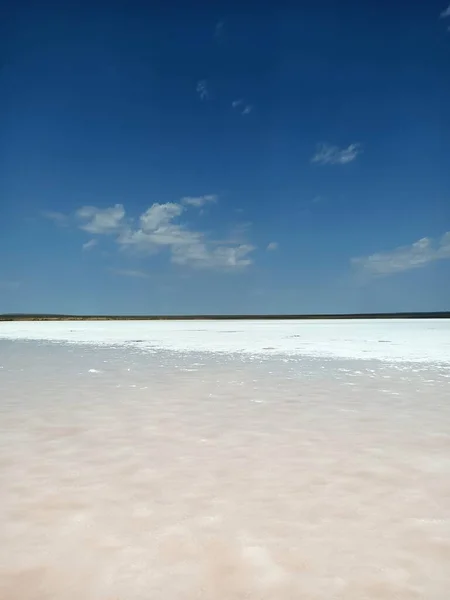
x=129, y=475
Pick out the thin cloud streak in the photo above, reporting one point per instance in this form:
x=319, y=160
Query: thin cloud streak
x=244, y=109
x=327, y=154
x=89, y=245
x=199, y=201
x=404, y=258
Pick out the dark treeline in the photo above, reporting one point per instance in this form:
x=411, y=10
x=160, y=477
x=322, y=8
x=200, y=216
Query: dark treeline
x=55, y=317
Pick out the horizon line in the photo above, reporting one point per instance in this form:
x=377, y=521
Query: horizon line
x=62, y=316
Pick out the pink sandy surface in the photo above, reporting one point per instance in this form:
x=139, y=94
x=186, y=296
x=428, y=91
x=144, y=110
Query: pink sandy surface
x=129, y=475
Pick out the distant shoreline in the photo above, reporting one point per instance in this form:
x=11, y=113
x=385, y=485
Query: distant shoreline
x=50, y=317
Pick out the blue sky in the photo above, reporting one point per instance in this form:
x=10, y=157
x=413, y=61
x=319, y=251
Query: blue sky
x=225, y=157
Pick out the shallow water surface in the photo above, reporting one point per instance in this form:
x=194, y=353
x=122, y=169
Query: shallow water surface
x=132, y=474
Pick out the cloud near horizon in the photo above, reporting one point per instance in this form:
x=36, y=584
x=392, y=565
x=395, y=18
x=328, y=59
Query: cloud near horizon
x=404, y=258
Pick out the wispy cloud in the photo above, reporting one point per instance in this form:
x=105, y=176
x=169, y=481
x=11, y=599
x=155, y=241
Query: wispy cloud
x=272, y=246
x=57, y=217
x=202, y=90
x=198, y=255
x=130, y=273
x=240, y=105
x=404, y=258
x=199, y=201
x=101, y=220
x=89, y=245
x=327, y=154
x=445, y=13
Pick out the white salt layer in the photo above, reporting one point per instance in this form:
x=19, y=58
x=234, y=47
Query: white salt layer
x=405, y=340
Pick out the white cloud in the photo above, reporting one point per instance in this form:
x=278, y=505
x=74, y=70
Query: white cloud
x=159, y=215
x=202, y=90
x=169, y=235
x=405, y=258
x=159, y=228
x=237, y=103
x=445, y=13
x=101, y=220
x=247, y=110
x=272, y=246
x=90, y=244
x=326, y=154
x=199, y=201
x=57, y=217
x=130, y=273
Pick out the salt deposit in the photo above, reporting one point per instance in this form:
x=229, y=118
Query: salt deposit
x=235, y=462
x=393, y=340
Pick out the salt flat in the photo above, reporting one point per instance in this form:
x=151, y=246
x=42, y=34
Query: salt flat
x=394, y=340
x=225, y=460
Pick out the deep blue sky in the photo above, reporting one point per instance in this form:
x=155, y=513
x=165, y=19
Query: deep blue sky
x=290, y=159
